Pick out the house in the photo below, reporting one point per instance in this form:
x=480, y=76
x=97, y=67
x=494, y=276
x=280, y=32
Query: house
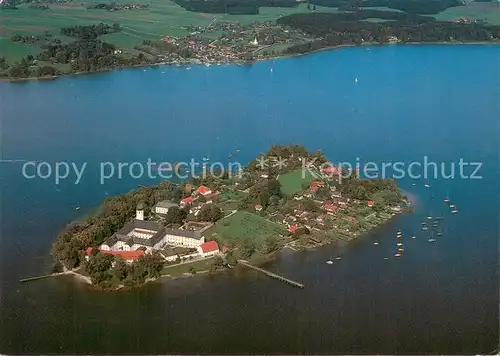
x=370, y=203
x=163, y=206
x=186, y=201
x=314, y=188
x=292, y=228
x=331, y=209
x=318, y=183
x=320, y=219
x=258, y=207
x=183, y=238
x=134, y=235
x=209, y=248
x=204, y=190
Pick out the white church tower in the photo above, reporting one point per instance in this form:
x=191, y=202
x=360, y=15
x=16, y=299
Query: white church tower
x=139, y=212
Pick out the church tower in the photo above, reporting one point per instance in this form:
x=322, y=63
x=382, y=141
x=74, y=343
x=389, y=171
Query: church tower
x=139, y=212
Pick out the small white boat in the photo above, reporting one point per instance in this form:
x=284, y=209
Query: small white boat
x=356, y=80
x=77, y=208
x=271, y=70
x=188, y=68
x=399, y=244
x=329, y=262
x=454, y=211
x=425, y=228
x=397, y=254
x=338, y=258
x=431, y=239
x=429, y=217
x=375, y=242
x=413, y=237
x=386, y=258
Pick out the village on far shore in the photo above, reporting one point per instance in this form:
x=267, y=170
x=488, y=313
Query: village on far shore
x=208, y=224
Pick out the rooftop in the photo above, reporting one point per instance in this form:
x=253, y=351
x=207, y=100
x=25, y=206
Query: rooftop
x=165, y=204
x=209, y=246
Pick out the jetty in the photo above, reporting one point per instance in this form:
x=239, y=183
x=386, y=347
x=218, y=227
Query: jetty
x=29, y=279
x=272, y=275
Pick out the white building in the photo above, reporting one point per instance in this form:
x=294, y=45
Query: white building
x=163, y=206
x=208, y=249
x=183, y=238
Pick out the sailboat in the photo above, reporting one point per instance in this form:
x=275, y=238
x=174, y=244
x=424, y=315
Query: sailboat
x=427, y=185
x=329, y=262
x=431, y=238
x=356, y=80
x=399, y=239
x=375, y=242
x=77, y=208
x=447, y=199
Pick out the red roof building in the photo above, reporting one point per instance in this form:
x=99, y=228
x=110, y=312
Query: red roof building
x=88, y=251
x=314, y=188
x=258, y=207
x=332, y=209
x=292, y=228
x=209, y=248
x=331, y=170
x=318, y=183
x=187, y=200
x=370, y=203
x=126, y=255
x=204, y=190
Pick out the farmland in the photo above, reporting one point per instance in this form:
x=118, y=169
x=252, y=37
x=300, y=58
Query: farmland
x=161, y=18
x=243, y=226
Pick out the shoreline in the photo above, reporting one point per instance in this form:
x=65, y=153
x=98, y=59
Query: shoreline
x=239, y=63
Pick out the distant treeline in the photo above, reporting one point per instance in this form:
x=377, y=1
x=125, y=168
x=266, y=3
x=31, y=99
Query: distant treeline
x=247, y=7
x=348, y=29
x=409, y=6
x=252, y=6
x=114, y=7
x=90, y=32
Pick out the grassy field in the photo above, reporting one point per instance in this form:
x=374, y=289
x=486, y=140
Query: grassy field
x=243, y=226
x=488, y=12
x=161, y=18
x=179, y=270
x=291, y=182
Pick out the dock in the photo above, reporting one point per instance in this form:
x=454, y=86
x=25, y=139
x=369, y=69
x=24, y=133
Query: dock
x=272, y=275
x=29, y=279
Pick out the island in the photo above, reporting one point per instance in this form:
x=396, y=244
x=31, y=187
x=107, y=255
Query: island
x=287, y=197
x=92, y=47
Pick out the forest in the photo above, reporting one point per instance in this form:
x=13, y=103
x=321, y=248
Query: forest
x=334, y=29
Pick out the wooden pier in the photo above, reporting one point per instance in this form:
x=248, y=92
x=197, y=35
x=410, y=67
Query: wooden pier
x=29, y=279
x=272, y=275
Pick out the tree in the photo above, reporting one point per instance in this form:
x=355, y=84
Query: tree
x=271, y=244
x=210, y=212
x=175, y=215
x=121, y=269
x=247, y=249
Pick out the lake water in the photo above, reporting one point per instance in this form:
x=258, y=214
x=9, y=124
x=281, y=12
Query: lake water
x=409, y=102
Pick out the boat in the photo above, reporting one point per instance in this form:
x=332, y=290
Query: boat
x=446, y=200
x=399, y=239
x=425, y=228
x=230, y=155
x=188, y=68
x=206, y=159
x=427, y=185
x=386, y=258
x=431, y=238
x=439, y=233
x=329, y=262
x=401, y=249
x=375, y=242
x=237, y=150
x=356, y=80
x=77, y=208
x=452, y=206
x=454, y=211
x=397, y=254
x=423, y=223
x=413, y=237
x=429, y=217
x=271, y=70
x=338, y=258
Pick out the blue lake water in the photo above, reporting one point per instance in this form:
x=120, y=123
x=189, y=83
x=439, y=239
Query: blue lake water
x=409, y=102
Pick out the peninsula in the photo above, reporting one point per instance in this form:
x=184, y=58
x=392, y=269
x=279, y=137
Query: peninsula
x=93, y=47
x=209, y=223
